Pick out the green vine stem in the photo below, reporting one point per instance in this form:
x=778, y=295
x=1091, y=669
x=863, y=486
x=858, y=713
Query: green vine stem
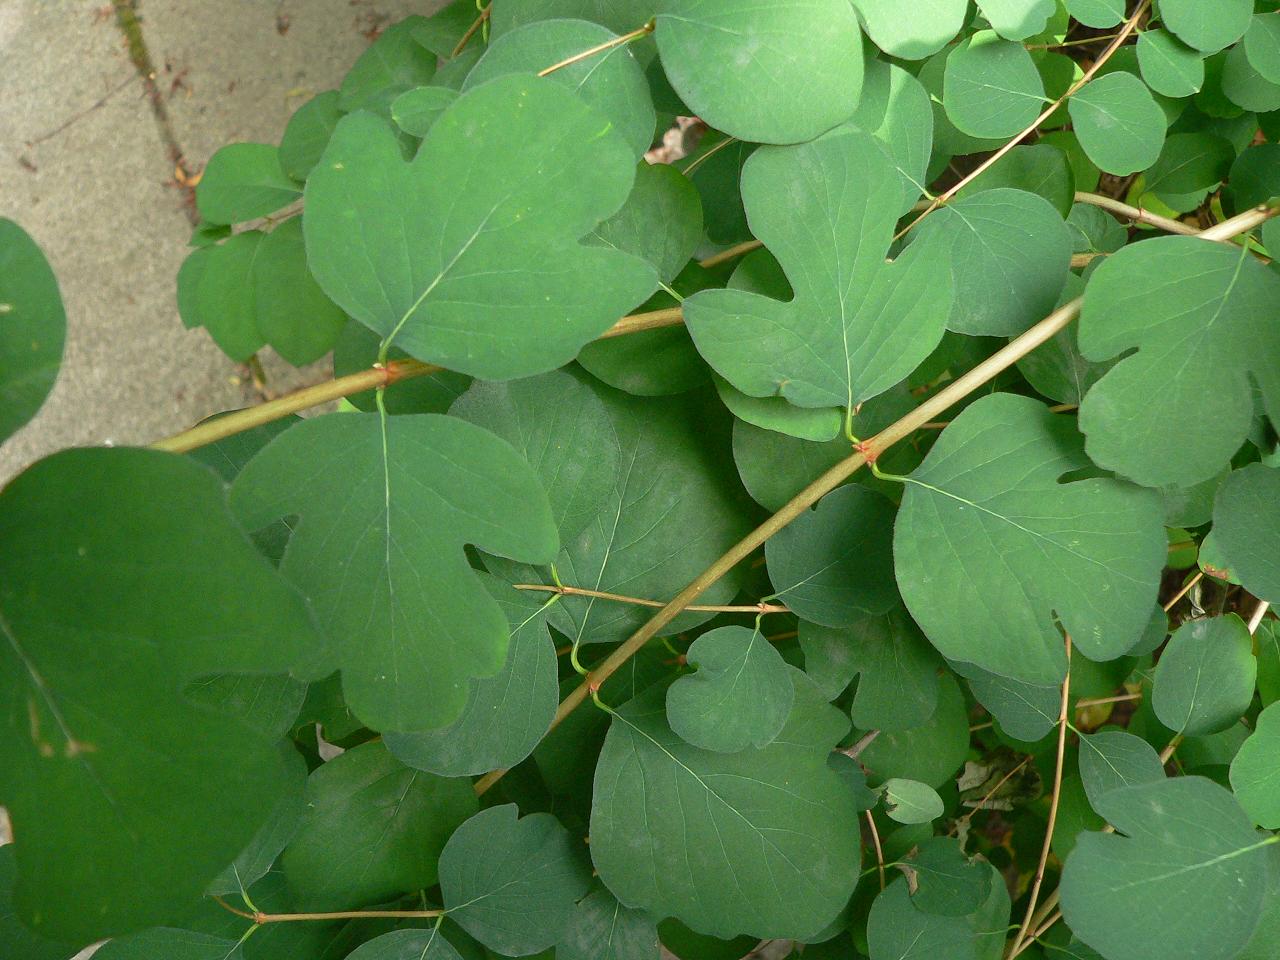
x=562, y=590
x=867, y=452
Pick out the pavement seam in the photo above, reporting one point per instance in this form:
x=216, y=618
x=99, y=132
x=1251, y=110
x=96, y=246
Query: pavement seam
x=131, y=27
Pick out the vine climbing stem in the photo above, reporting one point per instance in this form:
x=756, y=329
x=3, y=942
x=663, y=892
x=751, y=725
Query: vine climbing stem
x=868, y=451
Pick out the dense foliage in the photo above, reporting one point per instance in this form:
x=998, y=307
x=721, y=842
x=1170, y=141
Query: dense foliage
x=846, y=592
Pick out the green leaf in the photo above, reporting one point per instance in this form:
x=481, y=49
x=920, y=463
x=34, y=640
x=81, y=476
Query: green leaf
x=357, y=350
x=1059, y=371
x=444, y=29
x=169, y=944
x=33, y=327
x=661, y=222
x=1155, y=417
x=1119, y=124
x=1204, y=680
x=895, y=109
x=85, y=761
x=1099, y=14
x=1041, y=168
x=416, y=111
x=1167, y=886
x=1244, y=86
x=947, y=883
x=1112, y=759
x=832, y=564
x=930, y=752
x=1007, y=240
x=507, y=714
x=19, y=941
x=826, y=210
x=407, y=945
x=255, y=860
x=307, y=134
x=989, y=498
x=992, y=87
x=1246, y=524
x=1169, y=66
x=244, y=181
x=618, y=15
x=559, y=425
x=1262, y=45
x=1255, y=180
x=512, y=883
x=1190, y=163
x=1026, y=711
x=797, y=69
x=469, y=255
x=226, y=301
x=897, y=670
x=898, y=930
x=1207, y=26
x=1017, y=19
x=611, y=82
x=764, y=822
x=909, y=801
x=739, y=696
x=396, y=62
x=675, y=508
x=372, y=831
x=385, y=507
x=293, y=314
x=601, y=928
x=817, y=424
x=932, y=24
x=1255, y=771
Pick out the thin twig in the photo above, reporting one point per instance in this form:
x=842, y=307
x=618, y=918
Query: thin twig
x=1100, y=701
x=1167, y=753
x=1063, y=714
x=258, y=917
x=640, y=601
x=1136, y=214
x=1184, y=591
x=1260, y=611
x=875, y=839
x=599, y=48
x=1129, y=26
x=981, y=804
x=471, y=30
x=698, y=161
x=724, y=256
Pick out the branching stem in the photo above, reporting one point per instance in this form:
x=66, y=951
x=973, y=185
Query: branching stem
x=635, y=34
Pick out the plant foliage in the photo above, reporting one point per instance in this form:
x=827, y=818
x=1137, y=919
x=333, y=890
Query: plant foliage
x=750, y=547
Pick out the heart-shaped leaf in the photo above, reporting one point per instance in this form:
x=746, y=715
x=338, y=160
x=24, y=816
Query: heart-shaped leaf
x=856, y=326
x=991, y=547
x=385, y=506
x=469, y=255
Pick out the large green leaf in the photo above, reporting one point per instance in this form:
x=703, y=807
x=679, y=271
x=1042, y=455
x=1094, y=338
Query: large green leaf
x=661, y=222
x=1007, y=240
x=293, y=313
x=1097, y=13
x=897, y=670
x=1255, y=771
x=1204, y=680
x=611, y=82
x=307, y=134
x=856, y=326
x=739, y=696
x=1246, y=526
x=396, y=62
x=1026, y=711
x=832, y=564
x=1017, y=19
x=991, y=547
x=763, y=842
x=1262, y=45
x=33, y=327
x=1171, y=886
x=895, y=109
x=506, y=714
x=170, y=944
x=512, y=883
x=1207, y=26
x=797, y=68
x=947, y=882
x=1169, y=66
x=618, y=15
x=930, y=752
x=992, y=87
x=20, y=943
x=225, y=298
x=1118, y=123
x=126, y=564
x=927, y=30
x=675, y=508
x=1112, y=759
x=385, y=507
x=469, y=255
x=1177, y=410
x=372, y=831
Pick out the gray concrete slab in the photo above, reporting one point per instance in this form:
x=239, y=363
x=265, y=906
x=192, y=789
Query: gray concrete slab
x=94, y=185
